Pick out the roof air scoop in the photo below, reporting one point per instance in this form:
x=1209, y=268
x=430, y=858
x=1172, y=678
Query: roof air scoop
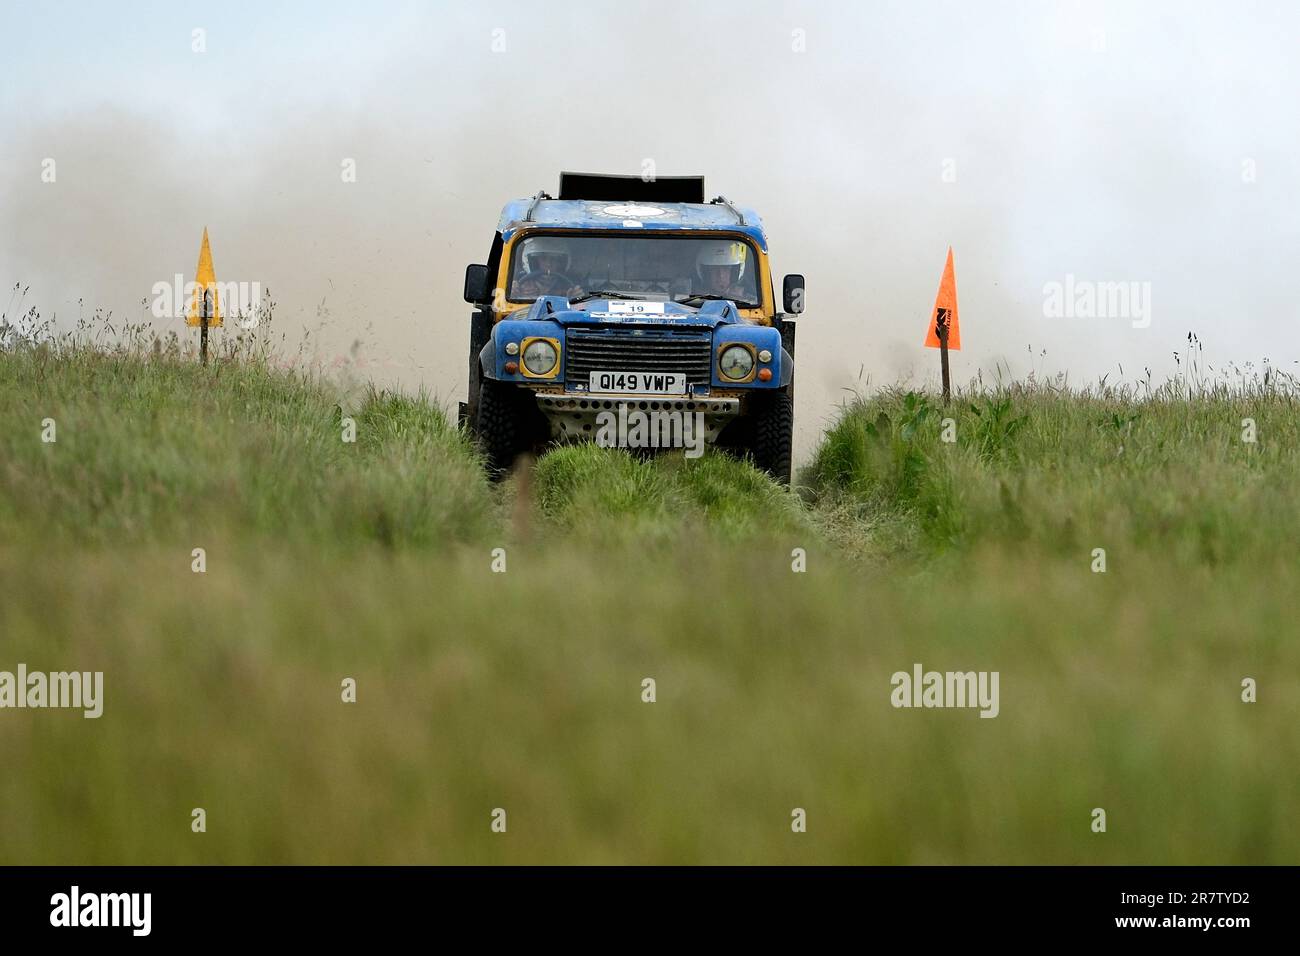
x=604, y=188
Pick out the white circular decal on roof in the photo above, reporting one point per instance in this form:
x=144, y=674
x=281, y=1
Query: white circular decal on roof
x=634, y=211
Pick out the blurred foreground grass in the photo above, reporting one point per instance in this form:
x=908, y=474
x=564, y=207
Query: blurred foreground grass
x=522, y=690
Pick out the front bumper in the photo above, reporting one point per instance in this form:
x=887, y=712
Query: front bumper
x=576, y=415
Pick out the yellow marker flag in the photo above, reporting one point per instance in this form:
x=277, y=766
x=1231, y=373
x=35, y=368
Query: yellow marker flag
x=205, y=295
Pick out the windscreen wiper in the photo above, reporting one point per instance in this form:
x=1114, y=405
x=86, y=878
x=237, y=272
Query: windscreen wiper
x=711, y=297
x=605, y=294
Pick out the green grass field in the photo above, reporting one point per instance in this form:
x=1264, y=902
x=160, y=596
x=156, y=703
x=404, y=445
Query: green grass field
x=522, y=690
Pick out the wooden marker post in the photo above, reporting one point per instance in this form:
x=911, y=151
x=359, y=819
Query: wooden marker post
x=941, y=326
x=944, y=332
x=207, y=314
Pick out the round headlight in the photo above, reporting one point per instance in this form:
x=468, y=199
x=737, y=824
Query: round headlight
x=540, y=357
x=736, y=362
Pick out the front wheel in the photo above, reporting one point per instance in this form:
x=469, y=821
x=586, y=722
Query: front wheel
x=773, y=435
x=504, y=424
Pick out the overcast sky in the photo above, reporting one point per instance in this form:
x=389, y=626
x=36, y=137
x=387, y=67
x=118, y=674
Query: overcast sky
x=1147, y=143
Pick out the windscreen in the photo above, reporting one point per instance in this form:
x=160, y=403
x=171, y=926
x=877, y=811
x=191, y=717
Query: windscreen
x=659, y=268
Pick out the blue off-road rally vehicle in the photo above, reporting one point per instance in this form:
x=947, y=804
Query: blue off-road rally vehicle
x=622, y=296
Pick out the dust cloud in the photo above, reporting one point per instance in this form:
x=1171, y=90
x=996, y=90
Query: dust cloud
x=1096, y=141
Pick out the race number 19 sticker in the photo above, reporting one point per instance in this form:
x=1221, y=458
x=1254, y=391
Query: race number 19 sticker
x=636, y=308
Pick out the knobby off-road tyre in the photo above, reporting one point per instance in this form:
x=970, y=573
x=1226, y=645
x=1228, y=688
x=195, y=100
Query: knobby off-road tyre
x=480, y=330
x=773, y=435
x=507, y=424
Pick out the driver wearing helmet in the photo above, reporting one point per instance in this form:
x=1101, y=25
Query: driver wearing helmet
x=546, y=260
x=719, y=267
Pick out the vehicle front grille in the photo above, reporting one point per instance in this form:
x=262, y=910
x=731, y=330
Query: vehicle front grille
x=624, y=349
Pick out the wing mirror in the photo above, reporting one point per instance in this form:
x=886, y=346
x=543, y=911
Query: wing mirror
x=792, y=294
x=476, y=284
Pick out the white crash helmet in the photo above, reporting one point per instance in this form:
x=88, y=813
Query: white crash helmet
x=546, y=246
x=721, y=254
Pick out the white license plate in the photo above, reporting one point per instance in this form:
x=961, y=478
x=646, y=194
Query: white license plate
x=640, y=383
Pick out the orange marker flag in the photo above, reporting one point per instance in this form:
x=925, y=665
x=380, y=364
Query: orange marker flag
x=205, y=281
x=946, y=300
